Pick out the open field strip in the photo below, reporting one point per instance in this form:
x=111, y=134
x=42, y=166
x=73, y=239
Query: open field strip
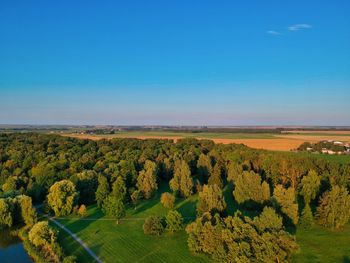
x=258, y=141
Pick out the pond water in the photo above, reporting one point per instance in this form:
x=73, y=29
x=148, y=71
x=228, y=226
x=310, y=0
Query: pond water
x=11, y=249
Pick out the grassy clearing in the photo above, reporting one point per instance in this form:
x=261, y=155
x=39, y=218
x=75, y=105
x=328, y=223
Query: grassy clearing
x=126, y=242
x=323, y=245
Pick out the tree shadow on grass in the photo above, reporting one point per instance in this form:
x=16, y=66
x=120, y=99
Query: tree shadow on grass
x=346, y=259
x=187, y=208
x=80, y=224
x=146, y=205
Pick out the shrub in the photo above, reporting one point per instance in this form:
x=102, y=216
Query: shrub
x=167, y=200
x=82, y=210
x=153, y=226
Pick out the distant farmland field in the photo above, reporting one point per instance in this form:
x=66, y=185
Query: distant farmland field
x=267, y=141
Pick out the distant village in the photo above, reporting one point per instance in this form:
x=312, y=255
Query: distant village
x=326, y=147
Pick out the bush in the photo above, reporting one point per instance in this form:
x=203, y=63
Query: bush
x=167, y=200
x=153, y=226
x=82, y=210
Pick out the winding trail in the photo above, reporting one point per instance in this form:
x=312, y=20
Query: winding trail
x=76, y=238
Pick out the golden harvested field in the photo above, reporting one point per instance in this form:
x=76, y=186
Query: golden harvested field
x=318, y=132
x=276, y=142
x=316, y=137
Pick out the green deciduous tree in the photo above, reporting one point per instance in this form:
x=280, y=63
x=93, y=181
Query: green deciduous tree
x=147, y=179
x=102, y=191
x=211, y=200
x=113, y=205
x=248, y=187
x=216, y=176
x=306, y=218
x=174, y=221
x=284, y=200
x=182, y=182
x=28, y=213
x=233, y=171
x=6, y=219
x=309, y=186
x=334, y=208
x=62, y=197
x=86, y=184
x=268, y=220
x=42, y=234
x=241, y=239
x=153, y=226
x=204, y=167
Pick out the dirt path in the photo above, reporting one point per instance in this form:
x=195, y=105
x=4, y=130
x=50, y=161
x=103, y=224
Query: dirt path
x=76, y=238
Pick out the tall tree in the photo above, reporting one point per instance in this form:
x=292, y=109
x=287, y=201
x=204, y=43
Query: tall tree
x=284, y=200
x=204, y=167
x=248, y=187
x=86, y=184
x=182, y=182
x=147, y=179
x=309, y=186
x=28, y=213
x=6, y=219
x=211, y=200
x=334, y=208
x=233, y=171
x=306, y=219
x=62, y=197
x=113, y=205
x=216, y=176
x=102, y=190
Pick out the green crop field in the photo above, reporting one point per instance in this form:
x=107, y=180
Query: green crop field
x=126, y=242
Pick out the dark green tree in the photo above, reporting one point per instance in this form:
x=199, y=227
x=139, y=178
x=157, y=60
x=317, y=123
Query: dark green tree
x=102, y=190
x=182, y=182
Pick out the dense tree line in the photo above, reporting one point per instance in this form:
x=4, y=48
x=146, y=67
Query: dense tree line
x=273, y=190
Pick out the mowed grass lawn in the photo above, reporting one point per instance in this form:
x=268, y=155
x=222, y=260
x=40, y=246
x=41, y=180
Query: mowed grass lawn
x=126, y=242
x=323, y=245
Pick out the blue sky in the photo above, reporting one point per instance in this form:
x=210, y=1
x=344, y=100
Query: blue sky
x=175, y=62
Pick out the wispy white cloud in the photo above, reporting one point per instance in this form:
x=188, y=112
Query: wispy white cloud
x=272, y=32
x=298, y=27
